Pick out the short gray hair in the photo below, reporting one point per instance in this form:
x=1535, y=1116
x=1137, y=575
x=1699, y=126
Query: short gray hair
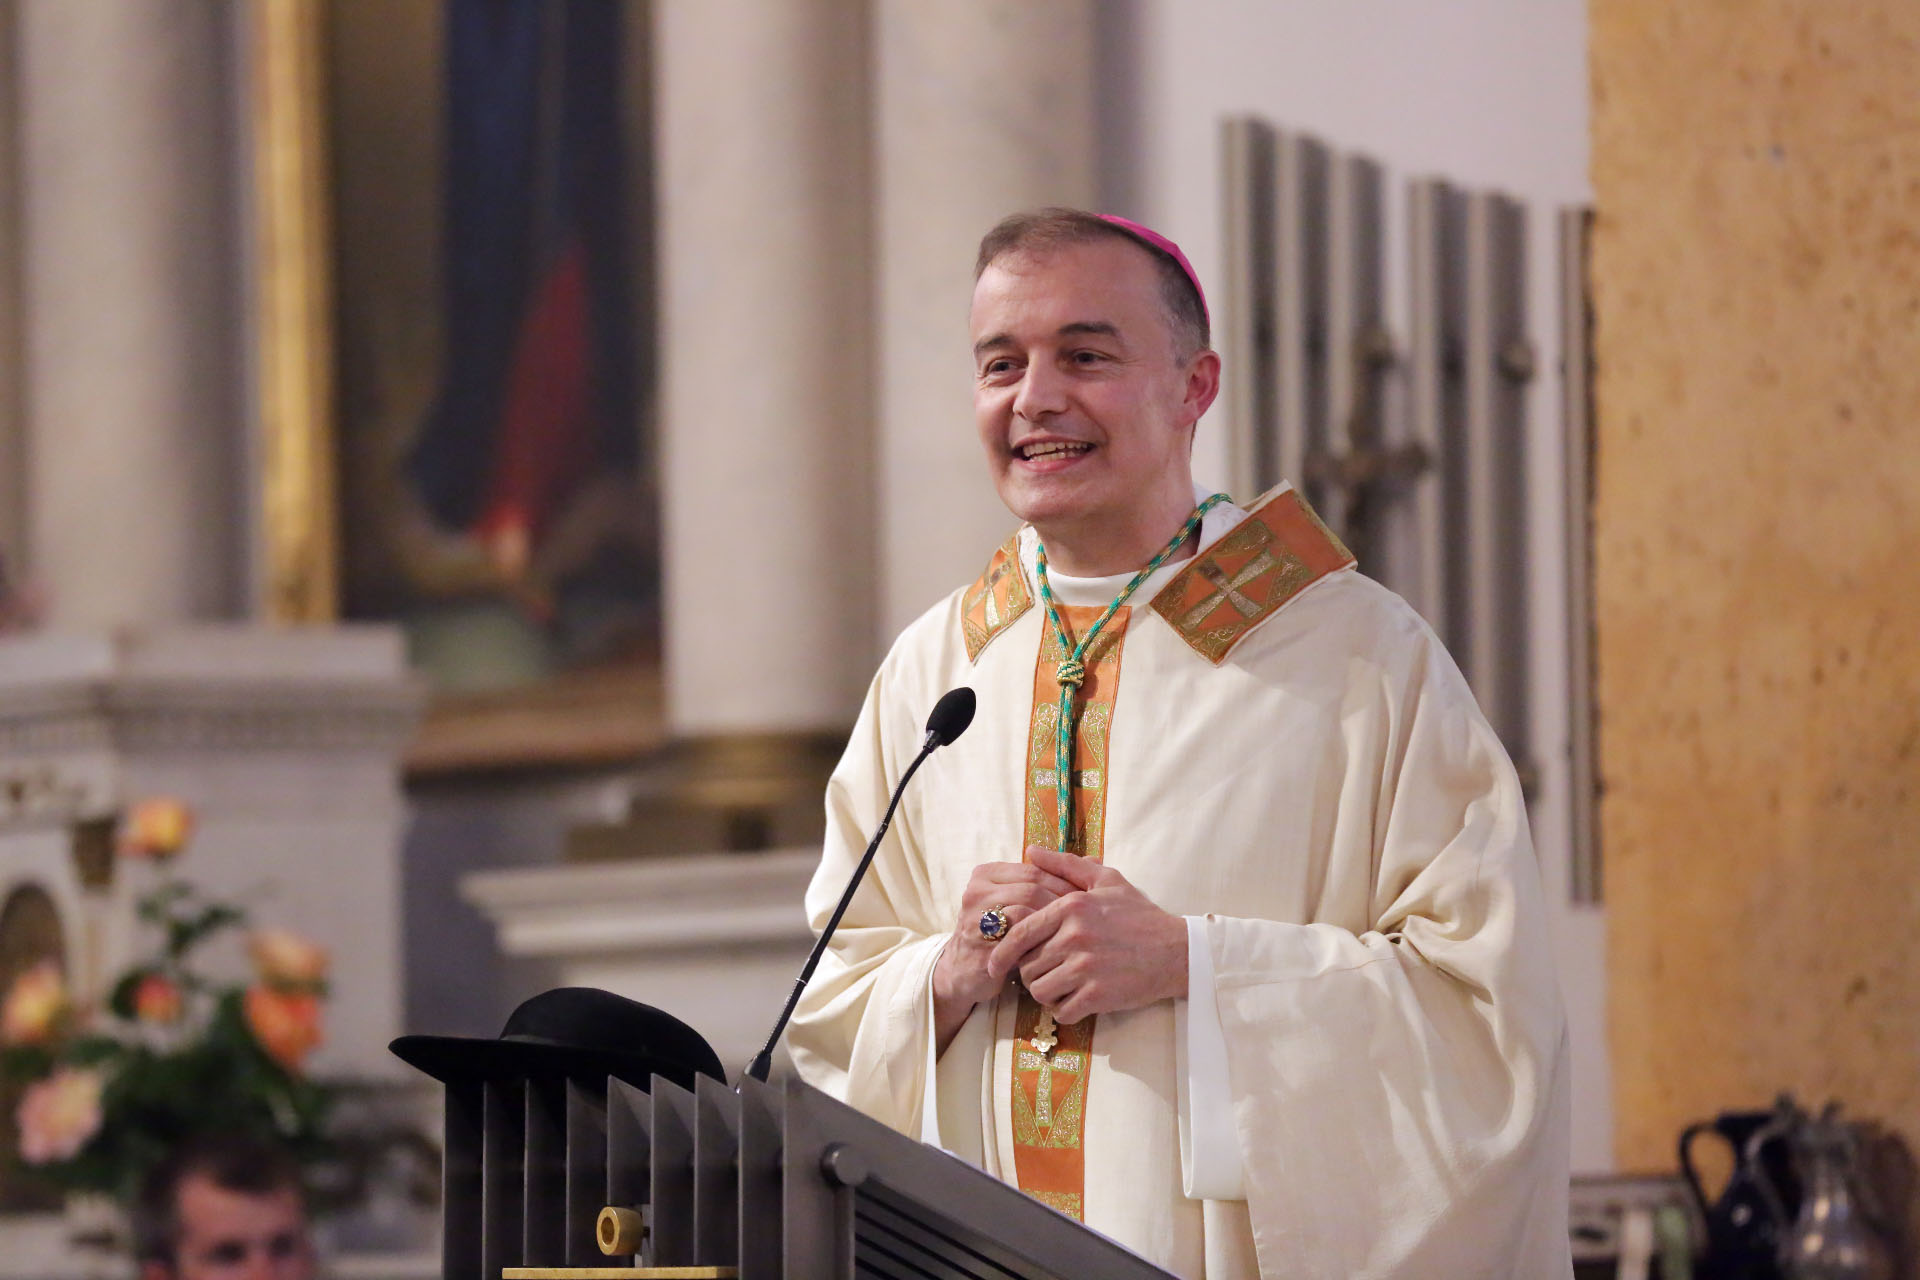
x=1043, y=230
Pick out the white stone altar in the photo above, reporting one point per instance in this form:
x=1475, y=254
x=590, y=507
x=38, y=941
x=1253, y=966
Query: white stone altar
x=714, y=939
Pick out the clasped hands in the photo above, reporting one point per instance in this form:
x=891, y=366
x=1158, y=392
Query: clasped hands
x=1081, y=937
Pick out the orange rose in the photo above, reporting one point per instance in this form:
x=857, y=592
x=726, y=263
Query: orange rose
x=285, y=1023
x=286, y=959
x=34, y=1005
x=57, y=1115
x=156, y=998
x=156, y=828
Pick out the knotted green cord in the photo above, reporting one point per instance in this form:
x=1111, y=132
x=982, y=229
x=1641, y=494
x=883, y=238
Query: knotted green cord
x=1073, y=672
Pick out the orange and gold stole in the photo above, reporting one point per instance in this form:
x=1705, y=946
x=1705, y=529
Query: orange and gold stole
x=1050, y=1081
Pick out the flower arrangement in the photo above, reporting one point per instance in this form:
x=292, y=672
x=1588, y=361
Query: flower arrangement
x=107, y=1090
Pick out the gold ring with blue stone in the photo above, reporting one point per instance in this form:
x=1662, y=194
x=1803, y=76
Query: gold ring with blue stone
x=993, y=923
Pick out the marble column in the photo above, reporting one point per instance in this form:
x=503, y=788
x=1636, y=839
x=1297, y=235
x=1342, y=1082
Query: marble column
x=983, y=109
x=132, y=387
x=765, y=408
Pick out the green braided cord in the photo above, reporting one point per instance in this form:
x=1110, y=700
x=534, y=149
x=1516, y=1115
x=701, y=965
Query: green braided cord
x=1074, y=670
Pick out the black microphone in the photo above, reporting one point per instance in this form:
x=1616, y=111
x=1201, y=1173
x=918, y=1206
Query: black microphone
x=949, y=719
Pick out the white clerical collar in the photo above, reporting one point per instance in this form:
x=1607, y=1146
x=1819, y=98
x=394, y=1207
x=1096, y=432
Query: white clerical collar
x=1099, y=592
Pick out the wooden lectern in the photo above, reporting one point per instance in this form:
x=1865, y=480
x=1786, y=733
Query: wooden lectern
x=565, y=1176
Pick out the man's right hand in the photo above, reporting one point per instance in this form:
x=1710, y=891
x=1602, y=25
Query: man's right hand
x=960, y=977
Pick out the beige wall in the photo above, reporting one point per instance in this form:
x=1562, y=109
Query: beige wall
x=13, y=460
x=1756, y=169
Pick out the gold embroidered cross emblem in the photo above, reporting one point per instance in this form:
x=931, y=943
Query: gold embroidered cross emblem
x=1070, y=1062
x=1228, y=589
x=1001, y=569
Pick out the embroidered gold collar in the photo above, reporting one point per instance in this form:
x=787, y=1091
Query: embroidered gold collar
x=1244, y=578
x=1216, y=599
x=996, y=600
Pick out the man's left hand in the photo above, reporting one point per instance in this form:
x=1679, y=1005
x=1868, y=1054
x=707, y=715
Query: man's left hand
x=1102, y=950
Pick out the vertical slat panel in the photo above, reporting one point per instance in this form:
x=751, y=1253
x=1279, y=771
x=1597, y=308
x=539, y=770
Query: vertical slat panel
x=1478, y=524
x=760, y=1181
x=670, y=1128
x=1435, y=250
x=1357, y=339
x=1299, y=309
x=1498, y=362
x=462, y=1183
x=1245, y=324
x=543, y=1240
x=630, y=1151
x=503, y=1174
x=1576, y=344
x=716, y=1190
x=817, y=1226
x=586, y=1171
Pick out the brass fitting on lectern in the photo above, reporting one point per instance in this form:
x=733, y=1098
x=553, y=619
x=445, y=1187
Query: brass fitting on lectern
x=619, y=1231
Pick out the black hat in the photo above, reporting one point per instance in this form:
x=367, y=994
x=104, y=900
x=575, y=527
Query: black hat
x=576, y=1032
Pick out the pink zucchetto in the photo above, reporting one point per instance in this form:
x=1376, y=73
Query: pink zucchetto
x=1166, y=246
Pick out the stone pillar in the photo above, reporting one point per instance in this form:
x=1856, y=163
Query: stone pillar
x=765, y=407
x=130, y=353
x=983, y=109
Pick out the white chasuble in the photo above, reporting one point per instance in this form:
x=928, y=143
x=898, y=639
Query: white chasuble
x=1288, y=757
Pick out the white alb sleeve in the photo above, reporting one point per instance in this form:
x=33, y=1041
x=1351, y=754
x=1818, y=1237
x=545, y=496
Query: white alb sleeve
x=930, y=1095
x=1210, y=1165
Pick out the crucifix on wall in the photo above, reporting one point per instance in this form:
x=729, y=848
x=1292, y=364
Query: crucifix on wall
x=1411, y=451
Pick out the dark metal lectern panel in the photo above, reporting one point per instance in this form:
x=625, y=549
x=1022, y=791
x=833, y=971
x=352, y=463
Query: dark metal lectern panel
x=503, y=1158
x=716, y=1173
x=671, y=1129
x=629, y=1146
x=543, y=1214
x=587, y=1170
x=462, y=1181
x=889, y=1241
x=778, y=1181
x=900, y=1208
x=760, y=1181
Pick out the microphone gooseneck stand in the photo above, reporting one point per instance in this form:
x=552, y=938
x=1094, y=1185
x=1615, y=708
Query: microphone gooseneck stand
x=950, y=718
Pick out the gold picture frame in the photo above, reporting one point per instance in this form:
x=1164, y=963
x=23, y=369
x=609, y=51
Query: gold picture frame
x=310, y=330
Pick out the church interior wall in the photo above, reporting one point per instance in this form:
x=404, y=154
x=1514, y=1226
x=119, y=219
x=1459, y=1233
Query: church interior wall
x=1491, y=93
x=1755, y=281
x=1758, y=310
x=12, y=434
x=457, y=981
x=979, y=109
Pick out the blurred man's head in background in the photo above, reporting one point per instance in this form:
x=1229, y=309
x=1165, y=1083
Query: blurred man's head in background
x=224, y=1207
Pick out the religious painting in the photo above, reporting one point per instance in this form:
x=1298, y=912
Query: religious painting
x=489, y=214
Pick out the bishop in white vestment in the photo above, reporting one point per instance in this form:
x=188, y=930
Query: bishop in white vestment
x=1367, y=1072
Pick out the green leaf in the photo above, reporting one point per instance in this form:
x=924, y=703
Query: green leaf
x=95, y=1051
x=186, y=932
x=25, y=1061
x=156, y=906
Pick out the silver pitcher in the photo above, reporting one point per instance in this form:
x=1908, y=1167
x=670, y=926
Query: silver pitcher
x=1835, y=1236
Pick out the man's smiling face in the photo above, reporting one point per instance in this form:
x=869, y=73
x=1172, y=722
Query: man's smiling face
x=1083, y=404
